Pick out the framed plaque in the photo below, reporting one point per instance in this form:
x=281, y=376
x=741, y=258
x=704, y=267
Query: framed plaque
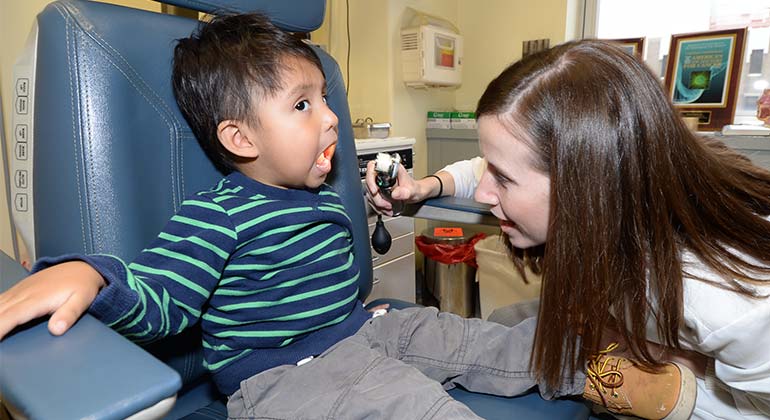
x=703, y=73
x=634, y=46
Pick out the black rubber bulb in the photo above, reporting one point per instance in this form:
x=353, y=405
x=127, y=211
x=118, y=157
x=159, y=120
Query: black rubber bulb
x=380, y=237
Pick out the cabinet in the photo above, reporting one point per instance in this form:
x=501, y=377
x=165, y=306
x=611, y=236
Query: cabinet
x=755, y=148
x=447, y=145
x=394, y=275
x=450, y=145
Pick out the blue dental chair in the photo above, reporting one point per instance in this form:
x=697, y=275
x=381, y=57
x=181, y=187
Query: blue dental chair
x=113, y=159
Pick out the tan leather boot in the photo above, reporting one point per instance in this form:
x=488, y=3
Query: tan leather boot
x=616, y=385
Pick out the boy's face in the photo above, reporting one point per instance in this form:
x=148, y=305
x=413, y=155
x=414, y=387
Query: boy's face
x=297, y=132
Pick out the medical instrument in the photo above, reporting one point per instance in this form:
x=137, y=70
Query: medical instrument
x=386, y=166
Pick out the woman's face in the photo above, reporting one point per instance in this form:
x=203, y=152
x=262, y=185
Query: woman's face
x=518, y=193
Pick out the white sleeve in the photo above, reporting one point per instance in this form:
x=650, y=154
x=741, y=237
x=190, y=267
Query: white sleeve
x=466, y=175
x=742, y=359
x=732, y=329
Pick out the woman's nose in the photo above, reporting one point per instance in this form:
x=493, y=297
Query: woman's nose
x=485, y=191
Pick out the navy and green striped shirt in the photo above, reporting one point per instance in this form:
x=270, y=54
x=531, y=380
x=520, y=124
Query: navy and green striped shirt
x=268, y=272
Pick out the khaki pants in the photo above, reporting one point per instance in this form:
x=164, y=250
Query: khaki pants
x=394, y=368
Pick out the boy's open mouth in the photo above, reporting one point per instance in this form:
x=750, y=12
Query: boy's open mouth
x=324, y=160
x=329, y=151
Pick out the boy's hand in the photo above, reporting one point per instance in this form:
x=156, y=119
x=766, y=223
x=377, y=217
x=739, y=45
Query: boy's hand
x=65, y=290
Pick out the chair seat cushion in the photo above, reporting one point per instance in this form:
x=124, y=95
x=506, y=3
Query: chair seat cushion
x=217, y=410
x=529, y=406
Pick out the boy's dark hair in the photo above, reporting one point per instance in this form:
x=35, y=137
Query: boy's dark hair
x=225, y=68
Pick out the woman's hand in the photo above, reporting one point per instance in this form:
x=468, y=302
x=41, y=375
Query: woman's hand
x=65, y=290
x=407, y=189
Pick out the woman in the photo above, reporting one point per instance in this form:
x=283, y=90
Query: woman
x=637, y=224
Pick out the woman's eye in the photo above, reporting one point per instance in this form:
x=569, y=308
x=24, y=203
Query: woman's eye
x=500, y=179
x=302, y=105
x=325, y=99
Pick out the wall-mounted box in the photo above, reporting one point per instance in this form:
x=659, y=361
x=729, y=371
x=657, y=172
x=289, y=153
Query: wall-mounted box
x=431, y=56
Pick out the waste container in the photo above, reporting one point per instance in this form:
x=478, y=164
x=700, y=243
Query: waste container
x=450, y=268
x=500, y=283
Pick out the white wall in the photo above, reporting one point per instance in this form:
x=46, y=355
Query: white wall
x=376, y=84
x=494, y=31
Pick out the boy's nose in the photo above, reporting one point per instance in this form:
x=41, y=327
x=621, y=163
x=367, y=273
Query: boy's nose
x=330, y=119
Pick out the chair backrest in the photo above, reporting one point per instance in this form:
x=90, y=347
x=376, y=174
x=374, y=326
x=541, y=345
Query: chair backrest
x=113, y=156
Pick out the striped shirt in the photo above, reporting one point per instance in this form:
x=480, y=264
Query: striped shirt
x=269, y=273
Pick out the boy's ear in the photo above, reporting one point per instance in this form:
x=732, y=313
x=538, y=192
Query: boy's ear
x=235, y=137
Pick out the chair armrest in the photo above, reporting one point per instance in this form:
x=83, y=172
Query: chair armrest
x=89, y=372
x=10, y=272
x=452, y=209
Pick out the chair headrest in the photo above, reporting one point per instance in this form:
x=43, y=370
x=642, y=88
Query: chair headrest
x=293, y=16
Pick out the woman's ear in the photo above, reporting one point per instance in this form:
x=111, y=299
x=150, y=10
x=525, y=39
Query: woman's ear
x=237, y=138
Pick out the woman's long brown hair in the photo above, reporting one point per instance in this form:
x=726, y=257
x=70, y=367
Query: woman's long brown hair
x=631, y=188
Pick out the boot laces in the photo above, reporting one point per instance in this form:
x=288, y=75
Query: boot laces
x=604, y=372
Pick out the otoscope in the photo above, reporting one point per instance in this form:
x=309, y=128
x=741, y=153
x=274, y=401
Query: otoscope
x=386, y=167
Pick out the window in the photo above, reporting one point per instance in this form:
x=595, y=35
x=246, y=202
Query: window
x=755, y=62
x=657, y=20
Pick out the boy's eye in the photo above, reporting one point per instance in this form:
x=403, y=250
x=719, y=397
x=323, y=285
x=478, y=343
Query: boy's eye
x=302, y=105
x=325, y=98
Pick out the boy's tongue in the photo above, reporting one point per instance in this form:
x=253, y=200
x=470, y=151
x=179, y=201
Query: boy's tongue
x=324, y=160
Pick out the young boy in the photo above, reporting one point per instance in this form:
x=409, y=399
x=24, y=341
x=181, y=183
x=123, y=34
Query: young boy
x=263, y=260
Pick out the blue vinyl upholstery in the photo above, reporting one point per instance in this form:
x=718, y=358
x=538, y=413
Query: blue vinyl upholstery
x=113, y=159
x=293, y=16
